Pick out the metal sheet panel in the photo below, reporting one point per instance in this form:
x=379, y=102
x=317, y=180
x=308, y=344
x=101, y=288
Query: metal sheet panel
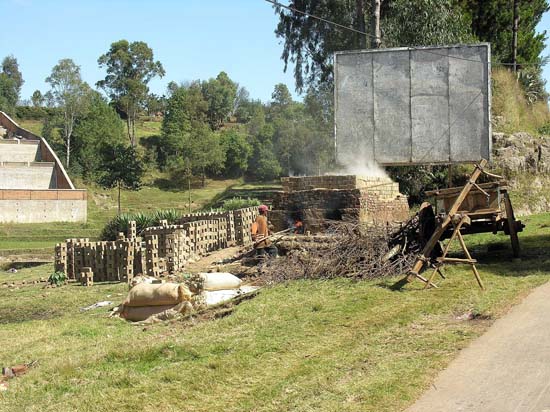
x=357, y=139
x=392, y=94
x=413, y=105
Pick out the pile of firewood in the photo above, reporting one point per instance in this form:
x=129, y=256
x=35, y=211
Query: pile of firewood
x=345, y=250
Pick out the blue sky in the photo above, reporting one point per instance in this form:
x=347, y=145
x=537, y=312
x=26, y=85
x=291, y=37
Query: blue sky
x=194, y=39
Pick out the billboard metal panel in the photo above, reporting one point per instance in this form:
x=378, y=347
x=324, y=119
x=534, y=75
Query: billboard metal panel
x=413, y=105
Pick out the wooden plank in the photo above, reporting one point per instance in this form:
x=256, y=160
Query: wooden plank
x=511, y=220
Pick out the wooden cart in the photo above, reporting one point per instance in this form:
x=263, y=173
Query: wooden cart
x=473, y=208
x=488, y=208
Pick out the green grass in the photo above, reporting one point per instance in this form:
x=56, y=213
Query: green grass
x=33, y=126
x=302, y=346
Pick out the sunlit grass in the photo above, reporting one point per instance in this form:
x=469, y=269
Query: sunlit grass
x=302, y=346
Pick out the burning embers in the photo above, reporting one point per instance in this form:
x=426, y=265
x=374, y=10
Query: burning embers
x=295, y=224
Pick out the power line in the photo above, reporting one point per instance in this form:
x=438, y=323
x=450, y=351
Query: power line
x=319, y=18
x=275, y=3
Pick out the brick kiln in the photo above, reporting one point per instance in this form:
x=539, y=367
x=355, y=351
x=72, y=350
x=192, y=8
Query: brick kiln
x=351, y=198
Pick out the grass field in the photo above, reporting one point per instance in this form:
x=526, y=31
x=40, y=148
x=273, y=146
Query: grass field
x=302, y=346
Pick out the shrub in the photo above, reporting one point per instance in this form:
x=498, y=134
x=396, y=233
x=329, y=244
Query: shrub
x=239, y=203
x=510, y=102
x=545, y=129
x=121, y=222
x=57, y=278
x=171, y=215
x=35, y=113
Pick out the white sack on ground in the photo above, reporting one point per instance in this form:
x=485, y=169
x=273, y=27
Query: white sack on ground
x=220, y=281
x=146, y=294
x=219, y=296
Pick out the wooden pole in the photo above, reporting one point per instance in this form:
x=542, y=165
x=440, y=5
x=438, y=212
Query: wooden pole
x=515, y=36
x=376, y=41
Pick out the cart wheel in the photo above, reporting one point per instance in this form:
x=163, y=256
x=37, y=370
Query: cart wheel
x=512, y=225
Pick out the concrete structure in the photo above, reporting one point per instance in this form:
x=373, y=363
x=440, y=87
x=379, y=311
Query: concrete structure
x=316, y=199
x=413, y=105
x=34, y=187
x=27, y=175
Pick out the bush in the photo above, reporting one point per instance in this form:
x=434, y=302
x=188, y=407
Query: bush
x=35, y=113
x=121, y=222
x=509, y=102
x=545, y=130
x=57, y=278
x=239, y=203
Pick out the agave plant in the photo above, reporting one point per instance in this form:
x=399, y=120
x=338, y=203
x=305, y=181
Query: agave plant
x=533, y=84
x=170, y=215
x=239, y=203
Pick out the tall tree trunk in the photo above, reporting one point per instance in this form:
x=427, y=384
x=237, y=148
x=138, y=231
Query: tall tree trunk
x=129, y=127
x=134, y=132
x=67, y=137
x=189, y=190
x=360, y=16
x=515, y=36
x=376, y=41
x=119, y=198
x=68, y=151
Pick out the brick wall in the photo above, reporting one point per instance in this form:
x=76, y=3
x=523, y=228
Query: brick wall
x=160, y=249
x=350, y=198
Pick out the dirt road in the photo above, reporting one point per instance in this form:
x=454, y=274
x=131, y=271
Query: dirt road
x=505, y=370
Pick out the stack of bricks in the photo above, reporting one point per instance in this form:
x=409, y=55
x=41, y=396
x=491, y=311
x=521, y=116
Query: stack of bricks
x=152, y=260
x=316, y=199
x=109, y=261
x=86, y=277
x=60, y=264
x=243, y=222
x=164, y=248
x=172, y=247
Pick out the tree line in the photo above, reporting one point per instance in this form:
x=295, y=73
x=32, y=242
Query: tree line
x=213, y=128
x=210, y=128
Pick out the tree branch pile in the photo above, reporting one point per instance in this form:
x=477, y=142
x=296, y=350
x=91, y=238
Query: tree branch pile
x=346, y=250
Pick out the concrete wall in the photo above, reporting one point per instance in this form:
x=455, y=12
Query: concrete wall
x=40, y=206
x=46, y=152
x=42, y=211
x=30, y=192
x=31, y=176
x=17, y=151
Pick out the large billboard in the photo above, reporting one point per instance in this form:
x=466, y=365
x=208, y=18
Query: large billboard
x=404, y=106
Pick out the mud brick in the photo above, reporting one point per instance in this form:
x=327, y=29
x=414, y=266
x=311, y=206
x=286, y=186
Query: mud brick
x=132, y=229
x=86, y=276
x=61, y=258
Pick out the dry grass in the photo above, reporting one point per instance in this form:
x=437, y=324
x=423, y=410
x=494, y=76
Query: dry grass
x=510, y=103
